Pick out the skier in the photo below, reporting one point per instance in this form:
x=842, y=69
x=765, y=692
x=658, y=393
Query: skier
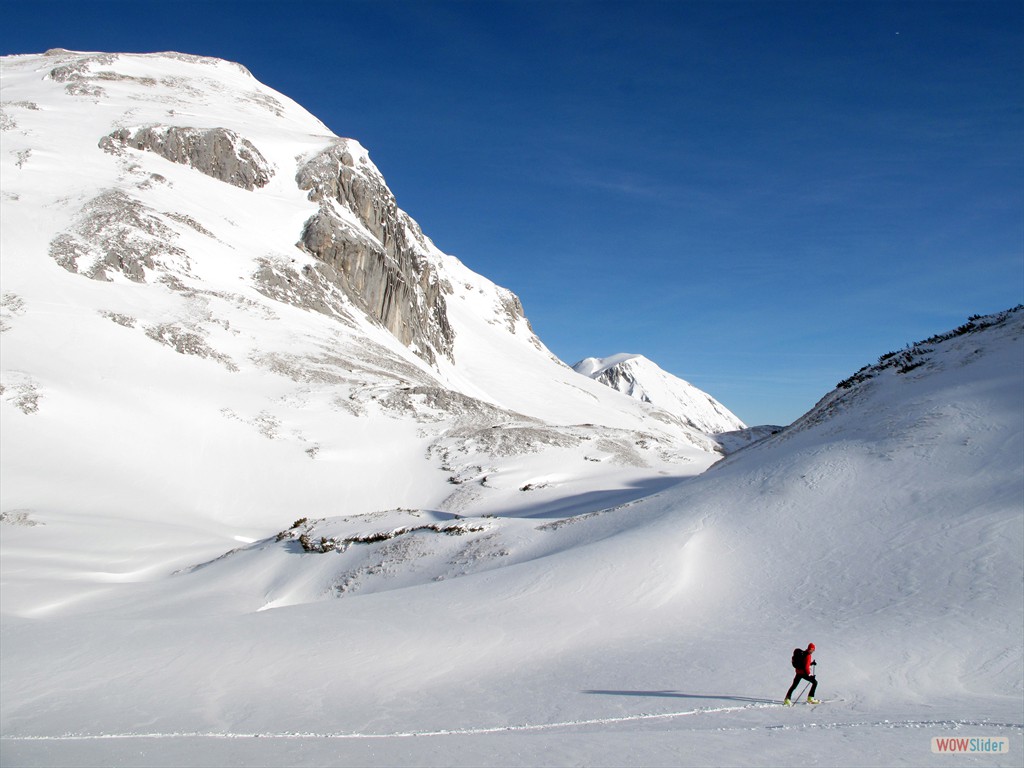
x=802, y=663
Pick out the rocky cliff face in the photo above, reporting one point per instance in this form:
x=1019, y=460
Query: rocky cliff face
x=375, y=248
x=217, y=152
x=368, y=250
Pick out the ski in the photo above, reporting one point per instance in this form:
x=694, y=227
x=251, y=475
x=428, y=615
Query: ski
x=819, y=701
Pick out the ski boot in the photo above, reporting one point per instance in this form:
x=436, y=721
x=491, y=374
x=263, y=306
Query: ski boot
x=812, y=700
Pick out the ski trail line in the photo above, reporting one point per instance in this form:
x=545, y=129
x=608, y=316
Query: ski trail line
x=396, y=734
x=523, y=728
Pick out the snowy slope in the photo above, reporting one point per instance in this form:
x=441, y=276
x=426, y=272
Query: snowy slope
x=638, y=377
x=886, y=527
x=236, y=504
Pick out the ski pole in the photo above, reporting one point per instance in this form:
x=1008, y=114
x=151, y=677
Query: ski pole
x=803, y=691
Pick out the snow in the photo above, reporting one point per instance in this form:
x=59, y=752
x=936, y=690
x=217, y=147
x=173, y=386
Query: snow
x=594, y=366
x=505, y=562
x=644, y=380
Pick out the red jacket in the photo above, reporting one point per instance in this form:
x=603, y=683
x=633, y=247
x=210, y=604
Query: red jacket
x=808, y=658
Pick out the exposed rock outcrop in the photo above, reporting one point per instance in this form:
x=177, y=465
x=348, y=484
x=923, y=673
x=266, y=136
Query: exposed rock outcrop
x=314, y=286
x=117, y=233
x=188, y=340
x=217, y=152
x=379, y=257
x=73, y=66
x=624, y=381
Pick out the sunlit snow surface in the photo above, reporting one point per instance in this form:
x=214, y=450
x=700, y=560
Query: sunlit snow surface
x=297, y=543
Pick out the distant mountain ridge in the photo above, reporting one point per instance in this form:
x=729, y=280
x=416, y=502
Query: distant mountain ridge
x=644, y=380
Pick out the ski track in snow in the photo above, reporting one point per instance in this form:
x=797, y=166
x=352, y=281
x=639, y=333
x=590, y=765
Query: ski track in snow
x=484, y=730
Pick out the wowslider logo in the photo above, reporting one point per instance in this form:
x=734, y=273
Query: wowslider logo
x=971, y=745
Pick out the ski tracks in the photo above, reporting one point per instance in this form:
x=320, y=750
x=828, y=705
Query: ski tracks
x=533, y=727
x=523, y=727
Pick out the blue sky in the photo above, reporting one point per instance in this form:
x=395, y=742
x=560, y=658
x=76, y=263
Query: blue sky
x=761, y=197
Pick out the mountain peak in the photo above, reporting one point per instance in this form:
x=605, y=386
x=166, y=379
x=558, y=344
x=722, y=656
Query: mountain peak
x=642, y=379
x=593, y=366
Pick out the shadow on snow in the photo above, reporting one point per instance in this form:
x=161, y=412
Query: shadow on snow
x=592, y=501
x=679, y=695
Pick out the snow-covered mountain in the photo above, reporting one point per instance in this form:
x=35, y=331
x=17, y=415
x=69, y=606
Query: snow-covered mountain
x=638, y=377
x=247, y=490
x=206, y=291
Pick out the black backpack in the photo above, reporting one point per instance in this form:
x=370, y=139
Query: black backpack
x=799, y=654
